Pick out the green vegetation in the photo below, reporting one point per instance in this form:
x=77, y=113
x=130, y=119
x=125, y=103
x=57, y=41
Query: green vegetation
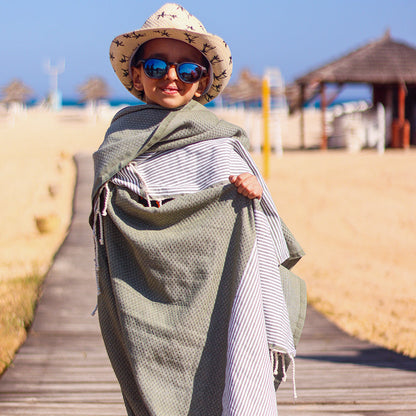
x=18, y=298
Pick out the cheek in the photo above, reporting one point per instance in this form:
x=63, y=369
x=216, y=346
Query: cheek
x=193, y=90
x=201, y=87
x=137, y=78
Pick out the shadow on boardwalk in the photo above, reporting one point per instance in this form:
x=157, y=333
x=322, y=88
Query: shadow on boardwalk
x=339, y=375
x=63, y=369
x=369, y=357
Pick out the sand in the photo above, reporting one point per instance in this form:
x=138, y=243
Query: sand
x=38, y=180
x=354, y=216
x=352, y=213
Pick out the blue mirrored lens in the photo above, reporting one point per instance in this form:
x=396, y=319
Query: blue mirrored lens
x=189, y=72
x=155, y=68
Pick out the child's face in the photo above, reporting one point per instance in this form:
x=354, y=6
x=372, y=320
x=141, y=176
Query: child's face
x=169, y=91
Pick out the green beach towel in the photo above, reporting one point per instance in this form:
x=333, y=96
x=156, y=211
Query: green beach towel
x=174, y=281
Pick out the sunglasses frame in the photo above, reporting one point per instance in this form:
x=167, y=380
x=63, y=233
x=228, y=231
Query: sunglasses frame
x=176, y=65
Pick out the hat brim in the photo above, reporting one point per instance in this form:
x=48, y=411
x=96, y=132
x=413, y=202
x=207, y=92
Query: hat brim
x=211, y=46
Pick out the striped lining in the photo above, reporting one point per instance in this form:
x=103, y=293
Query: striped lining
x=192, y=168
x=249, y=382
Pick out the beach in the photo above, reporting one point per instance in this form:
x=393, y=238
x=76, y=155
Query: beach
x=354, y=216
x=353, y=213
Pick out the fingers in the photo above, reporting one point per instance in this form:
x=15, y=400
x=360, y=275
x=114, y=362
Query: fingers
x=247, y=185
x=239, y=180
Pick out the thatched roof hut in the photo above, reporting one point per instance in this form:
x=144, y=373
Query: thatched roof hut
x=15, y=92
x=248, y=87
x=93, y=90
x=389, y=66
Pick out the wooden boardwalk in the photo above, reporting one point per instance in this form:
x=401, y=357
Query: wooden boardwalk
x=62, y=369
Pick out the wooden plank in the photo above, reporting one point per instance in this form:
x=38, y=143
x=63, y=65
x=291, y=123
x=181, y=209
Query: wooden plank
x=61, y=397
x=346, y=409
x=336, y=373
x=62, y=409
x=63, y=368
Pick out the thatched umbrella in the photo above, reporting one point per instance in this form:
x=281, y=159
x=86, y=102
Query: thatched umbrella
x=94, y=90
x=16, y=92
x=248, y=88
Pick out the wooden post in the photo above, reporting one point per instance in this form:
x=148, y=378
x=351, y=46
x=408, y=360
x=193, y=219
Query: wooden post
x=404, y=124
x=401, y=96
x=324, y=140
x=401, y=126
x=302, y=116
x=266, y=135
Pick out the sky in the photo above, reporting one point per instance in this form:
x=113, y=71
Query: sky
x=294, y=36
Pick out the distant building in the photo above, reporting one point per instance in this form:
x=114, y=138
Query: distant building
x=388, y=66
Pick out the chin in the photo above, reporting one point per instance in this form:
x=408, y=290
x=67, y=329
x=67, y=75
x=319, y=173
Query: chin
x=172, y=103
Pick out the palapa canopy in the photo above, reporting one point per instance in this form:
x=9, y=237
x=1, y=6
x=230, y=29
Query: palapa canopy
x=248, y=88
x=389, y=66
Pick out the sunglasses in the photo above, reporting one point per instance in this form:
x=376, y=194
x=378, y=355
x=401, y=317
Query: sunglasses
x=187, y=72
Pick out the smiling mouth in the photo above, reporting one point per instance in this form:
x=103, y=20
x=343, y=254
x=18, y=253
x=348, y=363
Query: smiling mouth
x=170, y=90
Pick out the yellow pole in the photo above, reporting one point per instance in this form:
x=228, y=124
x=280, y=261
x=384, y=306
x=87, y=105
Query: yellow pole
x=266, y=137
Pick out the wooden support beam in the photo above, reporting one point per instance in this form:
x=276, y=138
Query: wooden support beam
x=334, y=94
x=324, y=140
x=405, y=124
x=401, y=126
x=401, y=97
x=302, y=116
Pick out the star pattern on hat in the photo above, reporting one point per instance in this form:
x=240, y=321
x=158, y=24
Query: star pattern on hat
x=220, y=76
x=217, y=87
x=118, y=42
x=164, y=33
x=190, y=38
x=136, y=35
x=163, y=15
x=215, y=59
x=206, y=48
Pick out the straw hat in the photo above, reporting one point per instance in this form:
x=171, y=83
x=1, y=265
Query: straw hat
x=172, y=21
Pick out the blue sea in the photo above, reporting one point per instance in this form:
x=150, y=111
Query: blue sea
x=254, y=104
x=350, y=94
x=113, y=102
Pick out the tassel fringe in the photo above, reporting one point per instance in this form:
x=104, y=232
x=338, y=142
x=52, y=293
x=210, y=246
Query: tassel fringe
x=100, y=211
x=277, y=359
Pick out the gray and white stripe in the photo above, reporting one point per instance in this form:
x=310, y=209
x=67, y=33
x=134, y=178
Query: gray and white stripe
x=249, y=382
x=158, y=176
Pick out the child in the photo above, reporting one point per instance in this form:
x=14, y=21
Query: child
x=191, y=304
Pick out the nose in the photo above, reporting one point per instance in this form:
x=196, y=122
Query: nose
x=171, y=74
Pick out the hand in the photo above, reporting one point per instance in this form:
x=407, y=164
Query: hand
x=247, y=185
